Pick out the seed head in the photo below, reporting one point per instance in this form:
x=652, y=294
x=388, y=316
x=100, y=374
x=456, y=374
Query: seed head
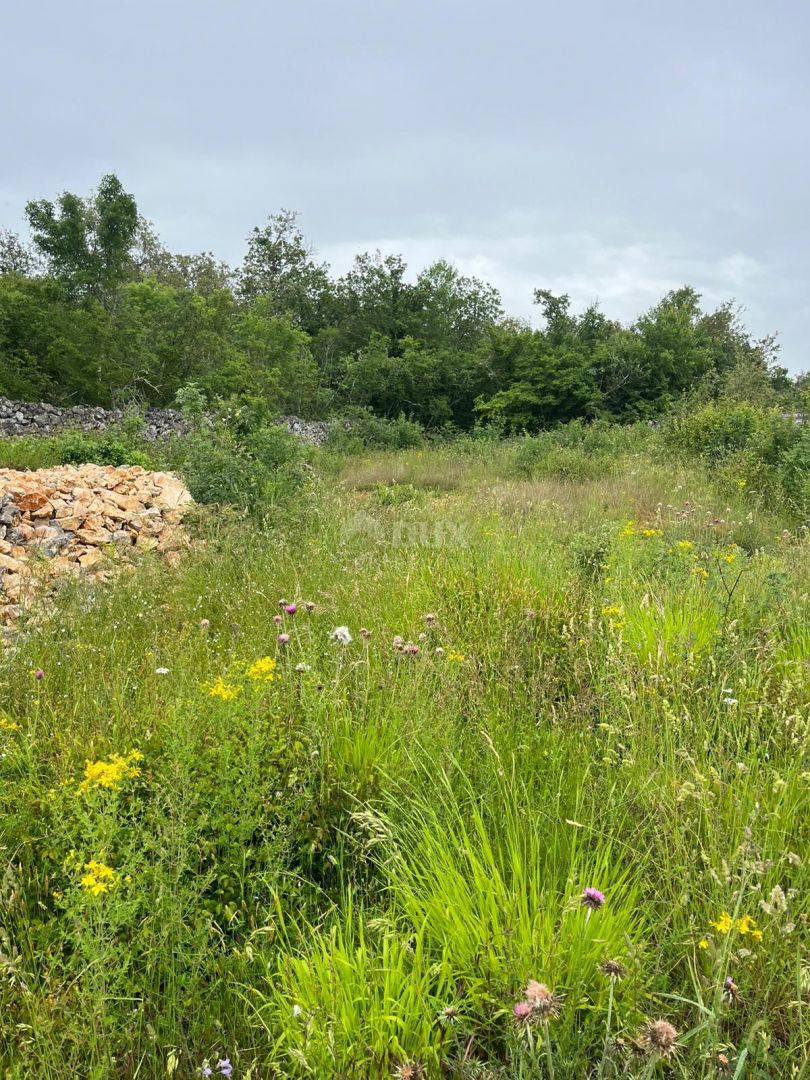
x=612, y=969
x=543, y=1002
x=410, y=1070
x=731, y=991
x=659, y=1038
x=309, y=605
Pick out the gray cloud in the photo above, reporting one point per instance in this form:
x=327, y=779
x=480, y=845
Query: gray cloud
x=613, y=150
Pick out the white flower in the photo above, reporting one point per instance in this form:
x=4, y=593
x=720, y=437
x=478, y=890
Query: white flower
x=730, y=701
x=161, y=671
x=301, y=667
x=341, y=634
x=296, y=1010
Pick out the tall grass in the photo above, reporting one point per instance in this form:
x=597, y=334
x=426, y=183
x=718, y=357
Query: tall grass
x=354, y=867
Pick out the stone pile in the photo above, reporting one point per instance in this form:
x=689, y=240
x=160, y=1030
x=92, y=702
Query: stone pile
x=79, y=520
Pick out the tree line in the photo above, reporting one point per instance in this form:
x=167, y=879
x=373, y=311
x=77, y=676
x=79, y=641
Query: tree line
x=95, y=310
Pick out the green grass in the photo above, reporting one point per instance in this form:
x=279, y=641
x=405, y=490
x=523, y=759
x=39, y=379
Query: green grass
x=358, y=865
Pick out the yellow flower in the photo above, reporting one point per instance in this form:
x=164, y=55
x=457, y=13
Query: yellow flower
x=756, y=935
x=629, y=529
x=110, y=774
x=746, y=925
x=99, y=878
x=723, y=924
x=456, y=657
x=224, y=691
x=699, y=571
x=8, y=725
x=652, y=532
x=685, y=545
x=613, y=609
x=263, y=670
x=703, y=943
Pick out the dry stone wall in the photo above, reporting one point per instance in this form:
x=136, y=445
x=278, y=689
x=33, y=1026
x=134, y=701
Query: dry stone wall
x=38, y=418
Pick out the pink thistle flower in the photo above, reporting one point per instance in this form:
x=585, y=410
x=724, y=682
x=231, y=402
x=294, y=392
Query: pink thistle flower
x=283, y=639
x=592, y=899
x=277, y=619
x=522, y=1011
x=39, y=674
x=204, y=624
x=365, y=632
x=291, y=609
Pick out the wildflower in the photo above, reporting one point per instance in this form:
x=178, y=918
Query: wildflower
x=430, y=620
x=206, y=1069
x=522, y=1011
x=263, y=669
x=225, y=1067
x=221, y=689
x=204, y=624
x=699, y=571
x=730, y=701
x=612, y=609
x=439, y=651
x=456, y=657
x=723, y=1063
x=397, y=642
x=39, y=674
x=756, y=935
x=652, y=532
x=296, y=1010
x=723, y=924
x=612, y=969
x=291, y=608
x=341, y=635
x=282, y=639
x=731, y=991
x=365, y=633
x=110, y=774
x=161, y=671
x=8, y=725
x=531, y=613
x=309, y=606
x=629, y=529
x=99, y=878
x=411, y=649
x=703, y=943
x=302, y=667
x=659, y=1038
x=685, y=545
x=448, y=1015
x=410, y=1070
x=278, y=620
x=592, y=899
x=543, y=1002
x=746, y=925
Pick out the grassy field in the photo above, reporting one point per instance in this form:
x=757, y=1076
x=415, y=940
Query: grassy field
x=528, y=724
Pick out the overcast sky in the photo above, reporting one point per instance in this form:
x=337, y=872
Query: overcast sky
x=611, y=150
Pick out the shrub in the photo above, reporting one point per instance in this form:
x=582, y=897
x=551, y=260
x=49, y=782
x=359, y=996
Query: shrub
x=361, y=429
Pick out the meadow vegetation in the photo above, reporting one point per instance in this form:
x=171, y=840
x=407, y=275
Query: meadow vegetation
x=479, y=758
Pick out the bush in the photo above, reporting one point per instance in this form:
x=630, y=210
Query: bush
x=362, y=430
x=251, y=472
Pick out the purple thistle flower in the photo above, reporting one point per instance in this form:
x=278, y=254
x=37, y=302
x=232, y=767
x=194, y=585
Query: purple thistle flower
x=283, y=639
x=592, y=899
x=291, y=609
x=39, y=674
x=521, y=1011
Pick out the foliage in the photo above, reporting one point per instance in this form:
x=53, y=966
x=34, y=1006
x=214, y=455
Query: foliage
x=95, y=309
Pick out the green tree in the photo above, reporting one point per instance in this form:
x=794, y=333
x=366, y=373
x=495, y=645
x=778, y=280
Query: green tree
x=86, y=243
